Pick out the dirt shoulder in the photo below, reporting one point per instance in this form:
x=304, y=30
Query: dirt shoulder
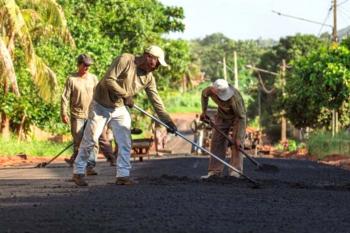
x=24, y=161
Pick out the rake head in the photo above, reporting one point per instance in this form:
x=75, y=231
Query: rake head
x=40, y=165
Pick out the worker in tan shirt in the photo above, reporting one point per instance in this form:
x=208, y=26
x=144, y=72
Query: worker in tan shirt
x=231, y=114
x=77, y=96
x=126, y=76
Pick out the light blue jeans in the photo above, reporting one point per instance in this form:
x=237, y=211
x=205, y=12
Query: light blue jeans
x=119, y=121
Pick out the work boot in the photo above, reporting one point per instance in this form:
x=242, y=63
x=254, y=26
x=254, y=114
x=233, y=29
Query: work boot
x=210, y=174
x=125, y=181
x=79, y=179
x=235, y=174
x=69, y=161
x=91, y=172
x=111, y=161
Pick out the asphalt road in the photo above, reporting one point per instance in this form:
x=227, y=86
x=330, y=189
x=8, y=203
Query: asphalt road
x=303, y=196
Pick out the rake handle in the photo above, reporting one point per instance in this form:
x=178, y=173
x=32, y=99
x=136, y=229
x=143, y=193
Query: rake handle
x=195, y=144
x=232, y=142
x=44, y=164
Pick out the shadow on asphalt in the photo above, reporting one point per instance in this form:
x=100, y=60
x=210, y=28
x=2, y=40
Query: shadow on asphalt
x=303, y=197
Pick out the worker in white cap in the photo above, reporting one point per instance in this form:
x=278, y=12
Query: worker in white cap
x=126, y=76
x=230, y=117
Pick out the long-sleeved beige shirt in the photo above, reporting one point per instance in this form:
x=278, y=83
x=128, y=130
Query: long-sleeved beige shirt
x=78, y=94
x=232, y=108
x=125, y=79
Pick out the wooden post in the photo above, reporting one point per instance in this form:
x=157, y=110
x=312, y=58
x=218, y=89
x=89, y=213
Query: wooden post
x=283, y=119
x=235, y=69
x=335, y=41
x=224, y=67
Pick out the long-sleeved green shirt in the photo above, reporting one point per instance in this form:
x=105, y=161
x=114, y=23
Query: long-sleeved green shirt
x=125, y=79
x=77, y=94
x=232, y=108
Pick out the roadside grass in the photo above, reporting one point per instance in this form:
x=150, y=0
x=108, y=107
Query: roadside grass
x=36, y=148
x=175, y=102
x=186, y=102
x=322, y=144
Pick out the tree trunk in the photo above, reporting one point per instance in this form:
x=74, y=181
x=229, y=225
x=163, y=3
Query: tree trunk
x=20, y=129
x=184, y=84
x=5, y=126
x=9, y=76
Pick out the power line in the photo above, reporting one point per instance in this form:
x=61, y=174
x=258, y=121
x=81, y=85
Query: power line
x=346, y=14
x=323, y=24
x=302, y=19
x=343, y=2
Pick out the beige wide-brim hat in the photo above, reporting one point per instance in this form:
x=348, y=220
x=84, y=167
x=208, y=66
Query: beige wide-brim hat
x=157, y=52
x=225, y=91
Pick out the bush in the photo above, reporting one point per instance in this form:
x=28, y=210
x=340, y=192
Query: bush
x=291, y=145
x=322, y=144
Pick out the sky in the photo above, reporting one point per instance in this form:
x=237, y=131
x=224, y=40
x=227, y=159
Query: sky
x=254, y=19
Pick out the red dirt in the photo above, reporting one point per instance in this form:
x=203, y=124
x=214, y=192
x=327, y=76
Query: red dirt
x=23, y=160
x=178, y=145
x=338, y=161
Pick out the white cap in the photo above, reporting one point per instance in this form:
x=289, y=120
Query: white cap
x=157, y=52
x=225, y=91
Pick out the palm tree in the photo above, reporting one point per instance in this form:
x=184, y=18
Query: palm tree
x=20, y=25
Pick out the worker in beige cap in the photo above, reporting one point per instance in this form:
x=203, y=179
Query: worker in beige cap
x=231, y=115
x=126, y=76
x=77, y=96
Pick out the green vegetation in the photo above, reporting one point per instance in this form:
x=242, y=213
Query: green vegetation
x=322, y=144
x=13, y=146
x=321, y=82
x=184, y=102
x=189, y=101
x=291, y=145
x=39, y=41
x=44, y=51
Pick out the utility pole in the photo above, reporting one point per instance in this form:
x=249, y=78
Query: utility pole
x=281, y=75
x=334, y=31
x=235, y=69
x=335, y=41
x=283, y=119
x=224, y=67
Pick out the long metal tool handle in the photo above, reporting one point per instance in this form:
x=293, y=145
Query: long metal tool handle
x=71, y=144
x=195, y=144
x=230, y=140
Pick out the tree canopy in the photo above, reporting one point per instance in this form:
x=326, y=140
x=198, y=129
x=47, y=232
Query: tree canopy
x=320, y=82
x=46, y=37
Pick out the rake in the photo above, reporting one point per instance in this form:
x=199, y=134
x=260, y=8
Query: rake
x=195, y=144
x=44, y=164
x=259, y=166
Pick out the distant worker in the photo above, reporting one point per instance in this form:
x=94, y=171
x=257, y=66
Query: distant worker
x=77, y=94
x=197, y=127
x=231, y=113
x=126, y=76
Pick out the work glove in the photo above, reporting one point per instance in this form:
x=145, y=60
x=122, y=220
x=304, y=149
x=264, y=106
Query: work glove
x=128, y=102
x=204, y=117
x=171, y=127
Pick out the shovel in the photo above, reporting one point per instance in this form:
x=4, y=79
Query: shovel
x=195, y=144
x=44, y=164
x=259, y=166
